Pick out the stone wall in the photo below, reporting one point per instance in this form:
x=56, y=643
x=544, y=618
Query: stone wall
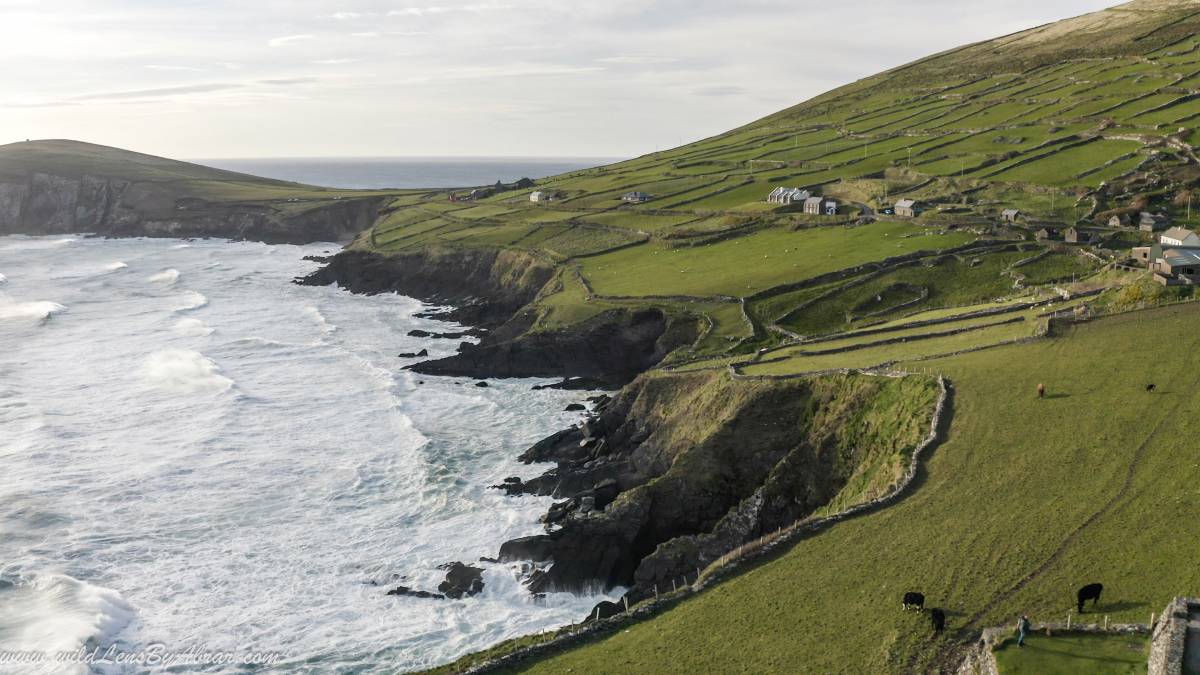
x=736, y=560
x=1166, y=649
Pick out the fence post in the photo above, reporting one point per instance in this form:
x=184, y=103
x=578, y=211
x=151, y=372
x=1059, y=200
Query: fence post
x=673, y=588
x=1106, y=622
x=625, y=598
x=597, y=612
x=1068, y=621
x=655, y=591
x=1151, y=620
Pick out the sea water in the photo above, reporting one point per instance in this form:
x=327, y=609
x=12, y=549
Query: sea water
x=198, y=456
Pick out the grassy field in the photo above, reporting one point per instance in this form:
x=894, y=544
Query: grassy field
x=1072, y=654
x=1025, y=501
x=779, y=255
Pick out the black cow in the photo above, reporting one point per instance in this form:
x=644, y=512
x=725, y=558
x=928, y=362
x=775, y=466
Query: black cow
x=1152, y=388
x=1089, y=592
x=913, y=599
x=938, y=617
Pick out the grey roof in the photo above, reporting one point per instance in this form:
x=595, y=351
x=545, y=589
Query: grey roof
x=1180, y=257
x=816, y=201
x=1179, y=233
x=1011, y=212
x=905, y=204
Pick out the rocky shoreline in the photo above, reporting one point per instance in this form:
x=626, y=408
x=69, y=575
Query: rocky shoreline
x=670, y=473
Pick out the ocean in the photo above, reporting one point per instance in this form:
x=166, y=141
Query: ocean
x=414, y=172
x=200, y=457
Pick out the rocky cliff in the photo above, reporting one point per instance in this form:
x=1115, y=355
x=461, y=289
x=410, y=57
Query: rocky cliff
x=492, y=289
x=43, y=203
x=679, y=469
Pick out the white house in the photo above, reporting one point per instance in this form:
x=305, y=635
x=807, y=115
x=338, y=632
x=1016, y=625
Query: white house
x=539, y=196
x=907, y=208
x=812, y=205
x=1179, y=237
x=783, y=195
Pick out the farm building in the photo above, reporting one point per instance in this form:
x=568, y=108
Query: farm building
x=1010, y=215
x=782, y=195
x=635, y=197
x=1045, y=235
x=540, y=196
x=1147, y=254
x=1077, y=236
x=1122, y=220
x=831, y=207
x=1178, y=266
x=1179, y=237
x=1153, y=222
x=812, y=205
x=907, y=208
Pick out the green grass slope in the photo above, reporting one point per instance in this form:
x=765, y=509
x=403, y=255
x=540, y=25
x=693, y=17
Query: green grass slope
x=1025, y=501
x=1069, y=122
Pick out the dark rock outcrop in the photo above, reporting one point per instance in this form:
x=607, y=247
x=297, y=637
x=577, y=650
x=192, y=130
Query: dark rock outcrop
x=461, y=580
x=487, y=287
x=612, y=347
x=413, y=593
x=414, y=355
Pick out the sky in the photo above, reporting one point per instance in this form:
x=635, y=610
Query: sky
x=467, y=78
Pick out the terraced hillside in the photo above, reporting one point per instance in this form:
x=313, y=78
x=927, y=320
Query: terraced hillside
x=1071, y=124
x=1075, y=125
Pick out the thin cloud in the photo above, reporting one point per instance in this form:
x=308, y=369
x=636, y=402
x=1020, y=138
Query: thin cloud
x=179, y=69
x=334, y=62
x=721, y=90
x=289, y=40
x=426, y=11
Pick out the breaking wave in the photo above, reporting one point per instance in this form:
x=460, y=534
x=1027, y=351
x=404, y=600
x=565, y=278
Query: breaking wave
x=56, y=613
x=35, y=311
x=3, y=278
x=192, y=328
x=191, y=300
x=113, y=267
x=184, y=371
x=168, y=277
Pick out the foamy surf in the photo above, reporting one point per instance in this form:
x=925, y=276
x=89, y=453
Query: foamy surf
x=113, y=267
x=3, y=279
x=192, y=328
x=167, y=276
x=242, y=492
x=184, y=371
x=191, y=300
x=59, y=615
x=38, y=311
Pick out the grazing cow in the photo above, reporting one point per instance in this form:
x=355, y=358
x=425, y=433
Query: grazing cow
x=1089, y=592
x=938, y=617
x=913, y=599
x=1151, y=388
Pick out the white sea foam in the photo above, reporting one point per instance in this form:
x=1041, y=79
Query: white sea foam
x=3, y=278
x=254, y=514
x=317, y=316
x=113, y=267
x=192, y=328
x=168, y=276
x=34, y=311
x=184, y=371
x=56, y=613
x=191, y=300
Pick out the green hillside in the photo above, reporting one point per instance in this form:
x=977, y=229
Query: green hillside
x=1071, y=124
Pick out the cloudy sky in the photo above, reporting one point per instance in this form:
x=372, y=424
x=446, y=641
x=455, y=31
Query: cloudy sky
x=315, y=78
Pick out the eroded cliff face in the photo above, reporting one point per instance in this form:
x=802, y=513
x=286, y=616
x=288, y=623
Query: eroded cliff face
x=680, y=469
x=49, y=204
x=493, y=289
